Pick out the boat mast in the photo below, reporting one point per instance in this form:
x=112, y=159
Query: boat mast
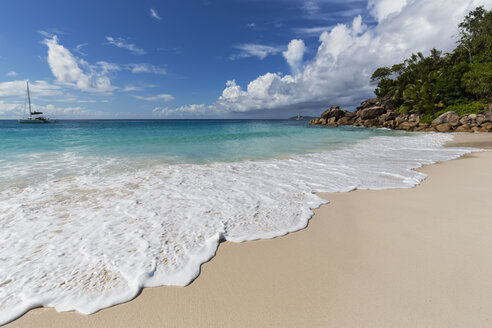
x=29, y=98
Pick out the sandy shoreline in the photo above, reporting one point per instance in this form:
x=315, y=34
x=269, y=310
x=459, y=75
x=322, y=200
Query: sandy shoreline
x=418, y=257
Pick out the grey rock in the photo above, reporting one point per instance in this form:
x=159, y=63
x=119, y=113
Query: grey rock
x=368, y=103
x=331, y=120
x=487, y=127
x=388, y=116
x=444, y=127
x=449, y=117
x=408, y=125
x=371, y=112
x=482, y=119
x=371, y=123
x=414, y=118
x=464, y=120
x=463, y=128
x=335, y=112
x=346, y=120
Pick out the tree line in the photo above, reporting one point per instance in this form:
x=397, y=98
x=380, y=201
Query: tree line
x=460, y=80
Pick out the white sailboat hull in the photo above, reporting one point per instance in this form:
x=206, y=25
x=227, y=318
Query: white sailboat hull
x=34, y=120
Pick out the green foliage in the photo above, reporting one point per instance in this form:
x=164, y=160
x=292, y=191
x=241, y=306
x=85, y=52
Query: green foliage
x=473, y=107
x=432, y=84
x=478, y=80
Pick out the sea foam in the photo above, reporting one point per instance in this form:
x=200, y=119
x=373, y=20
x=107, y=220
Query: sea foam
x=87, y=241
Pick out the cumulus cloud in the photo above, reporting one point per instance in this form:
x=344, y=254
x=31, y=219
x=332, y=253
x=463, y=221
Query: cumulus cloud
x=72, y=71
x=159, y=97
x=254, y=50
x=294, y=53
x=154, y=14
x=339, y=74
x=123, y=44
x=381, y=9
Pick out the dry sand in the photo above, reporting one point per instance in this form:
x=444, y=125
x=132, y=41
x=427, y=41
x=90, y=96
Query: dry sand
x=417, y=257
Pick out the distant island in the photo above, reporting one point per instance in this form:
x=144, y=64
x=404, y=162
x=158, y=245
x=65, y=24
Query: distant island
x=451, y=92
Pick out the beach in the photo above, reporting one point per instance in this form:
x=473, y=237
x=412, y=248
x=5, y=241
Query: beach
x=418, y=257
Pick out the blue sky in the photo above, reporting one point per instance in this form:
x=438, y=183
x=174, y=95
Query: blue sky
x=236, y=58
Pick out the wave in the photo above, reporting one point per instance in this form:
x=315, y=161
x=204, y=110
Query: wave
x=85, y=242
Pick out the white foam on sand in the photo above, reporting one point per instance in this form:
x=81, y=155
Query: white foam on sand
x=89, y=241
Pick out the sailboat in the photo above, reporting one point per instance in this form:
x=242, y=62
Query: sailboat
x=34, y=116
x=299, y=117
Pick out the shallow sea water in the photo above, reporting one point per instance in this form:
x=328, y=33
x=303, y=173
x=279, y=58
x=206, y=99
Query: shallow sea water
x=92, y=211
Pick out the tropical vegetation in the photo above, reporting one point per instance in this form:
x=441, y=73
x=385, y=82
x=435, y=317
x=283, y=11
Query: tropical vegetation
x=460, y=80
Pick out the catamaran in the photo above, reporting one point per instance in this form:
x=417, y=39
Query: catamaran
x=34, y=116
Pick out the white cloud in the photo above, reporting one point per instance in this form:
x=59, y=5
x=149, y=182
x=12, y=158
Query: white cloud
x=108, y=67
x=194, y=110
x=159, y=97
x=312, y=31
x=154, y=14
x=17, y=89
x=254, y=50
x=130, y=88
x=146, y=68
x=122, y=43
x=67, y=69
x=12, y=73
x=311, y=7
x=294, y=54
x=381, y=9
x=347, y=55
x=46, y=34
x=78, y=49
x=10, y=110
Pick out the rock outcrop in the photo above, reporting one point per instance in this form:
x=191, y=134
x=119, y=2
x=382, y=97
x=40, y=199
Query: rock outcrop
x=380, y=113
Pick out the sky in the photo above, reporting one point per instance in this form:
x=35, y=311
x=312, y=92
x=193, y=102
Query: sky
x=207, y=58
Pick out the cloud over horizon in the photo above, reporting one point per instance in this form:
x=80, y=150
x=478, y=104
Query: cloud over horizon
x=339, y=74
x=159, y=97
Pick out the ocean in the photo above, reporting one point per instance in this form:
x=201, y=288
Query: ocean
x=92, y=211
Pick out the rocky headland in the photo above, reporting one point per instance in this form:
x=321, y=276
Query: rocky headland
x=381, y=113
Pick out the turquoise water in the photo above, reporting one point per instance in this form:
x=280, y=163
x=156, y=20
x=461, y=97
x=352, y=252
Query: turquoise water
x=33, y=153
x=92, y=211
x=176, y=141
